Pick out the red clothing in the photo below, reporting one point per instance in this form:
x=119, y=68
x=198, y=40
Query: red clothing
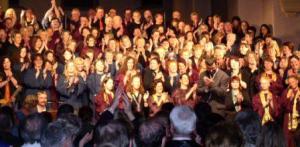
x=287, y=106
x=276, y=87
x=96, y=51
x=258, y=107
x=178, y=97
x=102, y=101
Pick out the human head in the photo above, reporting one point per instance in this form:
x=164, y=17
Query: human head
x=183, y=120
x=224, y=134
x=59, y=133
x=32, y=128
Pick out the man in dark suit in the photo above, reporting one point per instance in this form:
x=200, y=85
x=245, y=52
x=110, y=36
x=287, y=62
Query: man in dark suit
x=183, y=124
x=212, y=85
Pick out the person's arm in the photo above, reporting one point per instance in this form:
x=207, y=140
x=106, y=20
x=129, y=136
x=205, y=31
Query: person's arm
x=22, y=19
x=3, y=83
x=45, y=19
x=202, y=88
x=62, y=87
x=220, y=90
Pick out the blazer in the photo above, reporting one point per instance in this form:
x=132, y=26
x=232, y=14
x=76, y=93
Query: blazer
x=217, y=90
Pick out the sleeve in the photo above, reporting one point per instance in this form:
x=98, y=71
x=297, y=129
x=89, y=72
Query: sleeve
x=201, y=86
x=80, y=87
x=276, y=109
x=220, y=90
x=61, y=87
x=147, y=79
x=31, y=82
x=47, y=82
x=257, y=106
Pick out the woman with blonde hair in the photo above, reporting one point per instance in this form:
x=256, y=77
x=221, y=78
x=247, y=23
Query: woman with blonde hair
x=11, y=13
x=70, y=86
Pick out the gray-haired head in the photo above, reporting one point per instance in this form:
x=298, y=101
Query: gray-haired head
x=183, y=119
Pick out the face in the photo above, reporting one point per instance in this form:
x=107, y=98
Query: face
x=100, y=13
x=3, y=34
x=244, y=50
x=67, y=55
x=95, y=33
x=55, y=24
x=294, y=63
x=283, y=64
x=85, y=32
x=265, y=84
x=136, y=83
x=130, y=64
x=252, y=59
x=231, y=38
x=72, y=46
x=176, y=15
x=140, y=43
x=84, y=21
x=153, y=65
x=23, y=52
x=50, y=57
x=75, y=15
x=182, y=68
x=66, y=36
x=211, y=68
x=185, y=80
x=126, y=42
x=268, y=65
x=43, y=35
x=42, y=99
x=6, y=63
x=194, y=17
x=264, y=30
x=173, y=67
x=38, y=62
x=99, y=66
x=9, y=24
x=71, y=69
x=80, y=66
x=109, y=84
x=136, y=16
x=235, y=84
x=234, y=64
x=293, y=83
x=91, y=42
x=109, y=57
x=18, y=38
x=112, y=44
x=38, y=44
x=159, y=87
x=159, y=19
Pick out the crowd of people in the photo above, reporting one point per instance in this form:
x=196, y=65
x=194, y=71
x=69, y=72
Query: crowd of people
x=141, y=80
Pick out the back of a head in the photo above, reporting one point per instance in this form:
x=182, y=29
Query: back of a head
x=225, y=134
x=65, y=109
x=250, y=125
x=271, y=136
x=151, y=133
x=183, y=120
x=59, y=133
x=32, y=128
x=85, y=114
x=5, y=121
x=114, y=133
